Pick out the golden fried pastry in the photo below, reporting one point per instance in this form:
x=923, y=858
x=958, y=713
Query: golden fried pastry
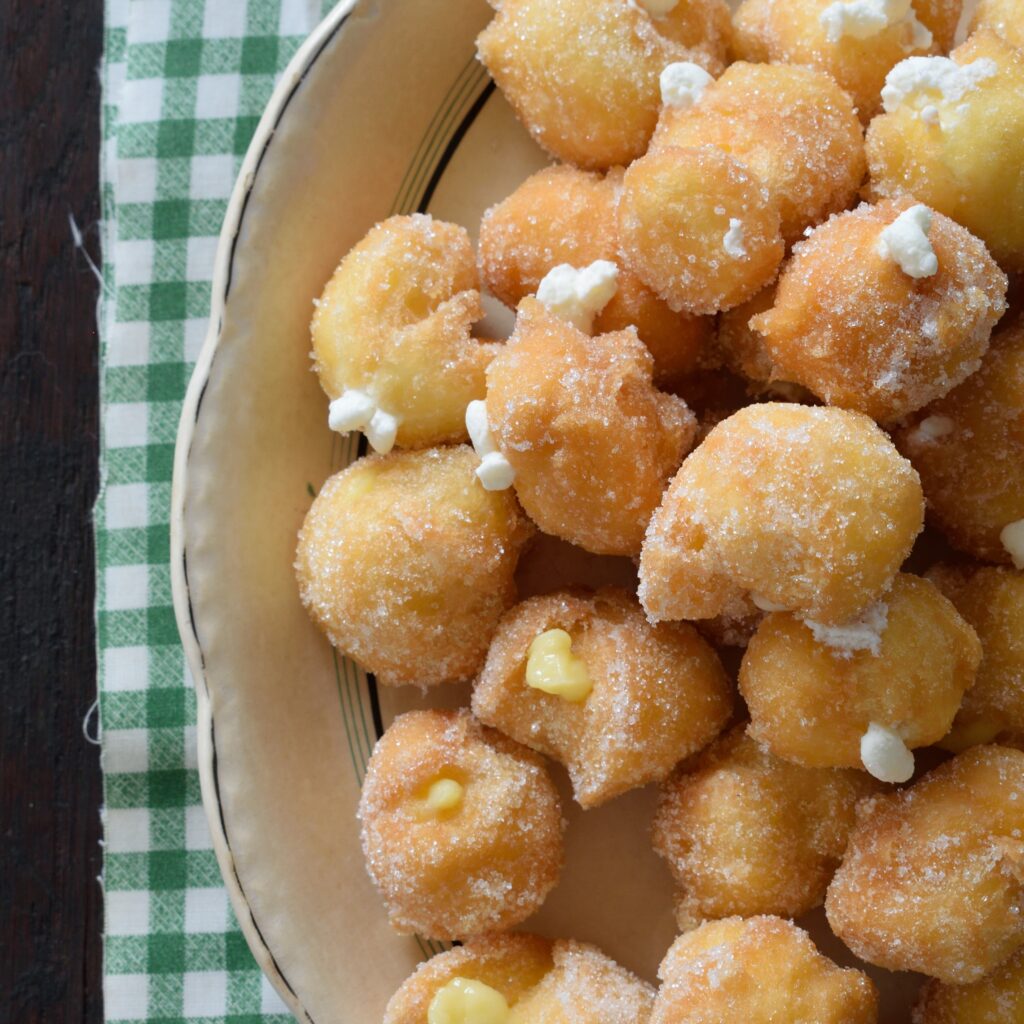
x=583, y=74
x=734, y=625
x=883, y=309
x=933, y=876
x=997, y=999
x=587, y=680
x=761, y=970
x=407, y=563
x=969, y=449
x=521, y=979
x=591, y=441
x=745, y=832
x=1004, y=17
x=952, y=136
x=699, y=228
x=391, y=335
x=740, y=347
x=793, y=127
x=563, y=215
x=864, y=693
x=810, y=509
x=992, y=601
x=461, y=826
x=856, y=43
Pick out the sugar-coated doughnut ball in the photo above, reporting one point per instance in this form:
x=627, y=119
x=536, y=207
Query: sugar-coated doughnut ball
x=745, y=832
x=758, y=970
x=461, y=826
x=997, y=999
x=393, y=326
x=699, y=228
x=1004, y=17
x=992, y=600
x=583, y=74
x=793, y=127
x=855, y=50
x=407, y=563
x=810, y=509
x=933, y=876
x=969, y=449
x=952, y=136
x=641, y=697
x=592, y=441
x=565, y=215
x=851, y=322
x=904, y=664
x=521, y=979
x=740, y=347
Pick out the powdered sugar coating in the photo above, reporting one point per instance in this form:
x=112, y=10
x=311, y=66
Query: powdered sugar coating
x=659, y=692
x=488, y=865
x=811, y=703
x=745, y=832
x=933, y=878
x=761, y=970
x=394, y=323
x=997, y=999
x=590, y=438
x=407, y=563
x=583, y=74
x=853, y=327
x=973, y=474
x=674, y=215
x=564, y=215
x=812, y=509
x=792, y=127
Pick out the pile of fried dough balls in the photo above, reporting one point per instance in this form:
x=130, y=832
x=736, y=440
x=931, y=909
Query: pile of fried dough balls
x=762, y=334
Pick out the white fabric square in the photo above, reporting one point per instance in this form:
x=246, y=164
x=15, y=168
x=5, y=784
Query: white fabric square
x=199, y=261
x=127, y=505
x=128, y=344
x=270, y=1001
x=127, y=830
x=133, y=260
x=298, y=18
x=117, y=13
x=217, y=95
x=125, y=668
x=213, y=177
x=127, y=913
x=191, y=757
x=136, y=180
x=126, y=425
x=127, y=586
x=197, y=831
x=126, y=997
x=206, y=910
x=195, y=334
x=126, y=750
x=149, y=21
x=141, y=100
x=224, y=20
x=205, y=994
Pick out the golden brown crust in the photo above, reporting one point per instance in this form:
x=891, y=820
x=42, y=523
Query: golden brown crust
x=997, y=999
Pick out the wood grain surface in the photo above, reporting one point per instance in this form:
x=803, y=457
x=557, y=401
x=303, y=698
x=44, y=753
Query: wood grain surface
x=50, y=789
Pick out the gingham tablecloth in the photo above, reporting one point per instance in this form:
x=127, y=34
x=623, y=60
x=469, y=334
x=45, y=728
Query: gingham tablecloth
x=184, y=84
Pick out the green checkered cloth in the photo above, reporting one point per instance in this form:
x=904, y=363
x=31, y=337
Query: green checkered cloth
x=184, y=84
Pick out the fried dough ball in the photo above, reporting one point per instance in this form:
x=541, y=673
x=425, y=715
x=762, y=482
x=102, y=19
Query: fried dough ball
x=617, y=700
x=969, y=449
x=591, y=440
x=392, y=332
x=815, y=691
x=461, y=826
x=741, y=347
x=565, y=215
x=407, y=563
x=853, y=326
x=820, y=34
x=536, y=981
x=1004, y=17
x=698, y=228
x=997, y=999
x=583, y=74
x=793, y=127
x=933, y=877
x=810, y=509
x=953, y=137
x=745, y=832
x=761, y=970
x=992, y=601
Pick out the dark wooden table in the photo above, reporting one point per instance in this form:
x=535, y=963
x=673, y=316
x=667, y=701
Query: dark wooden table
x=50, y=789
